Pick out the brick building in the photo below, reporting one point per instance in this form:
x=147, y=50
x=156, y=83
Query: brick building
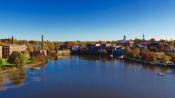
x=8, y=49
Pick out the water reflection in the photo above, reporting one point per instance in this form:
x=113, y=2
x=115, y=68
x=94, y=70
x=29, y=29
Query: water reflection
x=12, y=78
x=15, y=77
x=129, y=64
x=88, y=77
x=96, y=58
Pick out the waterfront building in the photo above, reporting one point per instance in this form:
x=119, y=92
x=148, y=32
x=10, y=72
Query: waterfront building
x=7, y=49
x=107, y=44
x=125, y=42
x=98, y=44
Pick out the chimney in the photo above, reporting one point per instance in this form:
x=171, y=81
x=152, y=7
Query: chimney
x=12, y=40
x=124, y=37
x=42, y=42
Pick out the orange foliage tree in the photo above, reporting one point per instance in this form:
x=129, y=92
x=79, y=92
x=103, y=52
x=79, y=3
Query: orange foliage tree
x=149, y=56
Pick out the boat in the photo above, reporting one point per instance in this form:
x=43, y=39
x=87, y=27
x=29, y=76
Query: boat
x=111, y=56
x=121, y=57
x=160, y=74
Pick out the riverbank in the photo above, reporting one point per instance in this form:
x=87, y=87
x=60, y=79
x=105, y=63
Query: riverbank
x=151, y=63
x=154, y=63
x=8, y=69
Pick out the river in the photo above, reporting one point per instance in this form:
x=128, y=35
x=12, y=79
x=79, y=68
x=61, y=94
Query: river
x=88, y=77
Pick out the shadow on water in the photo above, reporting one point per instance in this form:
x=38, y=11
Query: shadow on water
x=15, y=77
x=146, y=67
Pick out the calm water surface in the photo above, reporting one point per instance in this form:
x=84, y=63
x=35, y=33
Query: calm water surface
x=87, y=77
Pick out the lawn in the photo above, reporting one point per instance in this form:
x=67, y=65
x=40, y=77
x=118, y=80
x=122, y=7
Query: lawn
x=27, y=60
x=4, y=62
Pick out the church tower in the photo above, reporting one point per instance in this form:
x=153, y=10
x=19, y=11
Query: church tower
x=143, y=37
x=124, y=37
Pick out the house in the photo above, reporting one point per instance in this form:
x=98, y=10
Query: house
x=125, y=42
x=107, y=44
x=97, y=44
x=118, y=52
x=170, y=49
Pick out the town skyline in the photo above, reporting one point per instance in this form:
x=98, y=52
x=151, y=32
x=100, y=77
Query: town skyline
x=124, y=37
x=87, y=48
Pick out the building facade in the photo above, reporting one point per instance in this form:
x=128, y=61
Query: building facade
x=8, y=49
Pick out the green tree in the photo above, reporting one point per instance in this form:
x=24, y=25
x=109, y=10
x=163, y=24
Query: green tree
x=16, y=58
x=104, y=52
x=1, y=62
x=137, y=41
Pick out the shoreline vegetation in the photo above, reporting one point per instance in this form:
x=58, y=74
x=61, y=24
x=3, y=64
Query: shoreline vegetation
x=150, y=62
x=152, y=52
x=8, y=68
x=154, y=61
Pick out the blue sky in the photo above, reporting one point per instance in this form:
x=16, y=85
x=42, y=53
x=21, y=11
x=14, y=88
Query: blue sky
x=64, y=20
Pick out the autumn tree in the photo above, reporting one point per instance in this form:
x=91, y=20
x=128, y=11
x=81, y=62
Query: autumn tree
x=30, y=48
x=165, y=58
x=136, y=52
x=149, y=56
x=39, y=58
x=132, y=52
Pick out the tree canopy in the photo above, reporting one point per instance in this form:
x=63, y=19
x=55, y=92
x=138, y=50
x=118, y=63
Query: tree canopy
x=16, y=58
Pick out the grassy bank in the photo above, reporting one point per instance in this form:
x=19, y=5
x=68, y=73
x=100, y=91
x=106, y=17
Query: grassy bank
x=5, y=63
